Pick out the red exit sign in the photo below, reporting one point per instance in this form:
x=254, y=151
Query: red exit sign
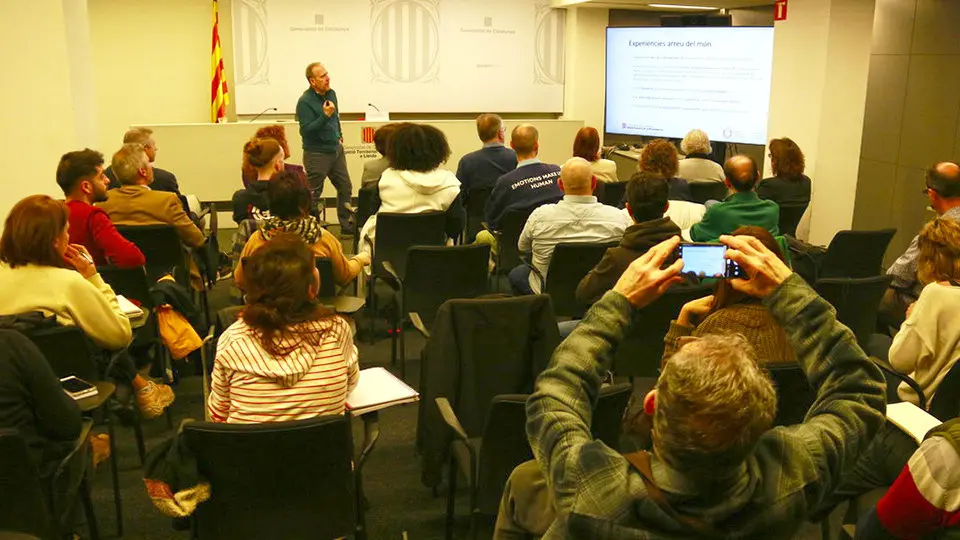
x=780, y=10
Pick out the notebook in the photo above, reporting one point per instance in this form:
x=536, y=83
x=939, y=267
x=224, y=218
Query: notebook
x=378, y=389
x=129, y=309
x=911, y=419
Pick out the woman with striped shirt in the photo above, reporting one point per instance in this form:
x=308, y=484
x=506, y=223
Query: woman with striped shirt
x=287, y=357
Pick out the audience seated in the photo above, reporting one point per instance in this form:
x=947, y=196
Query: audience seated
x=415, y=183
x=943, y=191
x=250, y=174
x=646, y=202
x=80, y=176
x=659, y=156
x=743, y=207
x=728, y=311
x=373, y=168
x=716, y=463
x=697, y=165
x=923, y=499
x=136, y=203
x=265, y=157
x=481, y=168
x=286, y=358
x=289, y=214
x=928, y=343
x=579, y=217
x=41, y=271
x=788, y=185
x=163, y=180
x=586, y=145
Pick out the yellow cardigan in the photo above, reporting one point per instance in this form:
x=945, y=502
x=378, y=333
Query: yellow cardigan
x=344, y=269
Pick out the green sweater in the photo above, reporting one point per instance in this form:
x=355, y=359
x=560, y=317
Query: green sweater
x=319, y=132
x=737, y=210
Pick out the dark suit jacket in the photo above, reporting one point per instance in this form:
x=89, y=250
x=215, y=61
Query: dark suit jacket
x=481, y=168
x=781, y=190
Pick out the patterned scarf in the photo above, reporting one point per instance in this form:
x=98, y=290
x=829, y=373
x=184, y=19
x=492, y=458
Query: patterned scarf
x=307, y=228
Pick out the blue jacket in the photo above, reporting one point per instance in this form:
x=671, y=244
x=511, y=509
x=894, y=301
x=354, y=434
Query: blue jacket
x=319, y=132
x=527, y=186
x=482, y=168
x=737, y=210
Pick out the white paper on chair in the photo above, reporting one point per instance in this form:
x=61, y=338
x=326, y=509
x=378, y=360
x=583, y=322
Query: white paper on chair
x=911, y=419
x=378, y=389
x=129, y=309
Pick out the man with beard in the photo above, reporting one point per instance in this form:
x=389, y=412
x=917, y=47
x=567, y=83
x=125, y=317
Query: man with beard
x=80, y=176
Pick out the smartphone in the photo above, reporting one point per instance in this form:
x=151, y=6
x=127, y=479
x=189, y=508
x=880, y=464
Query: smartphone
x=708, y=261
x=77, y=388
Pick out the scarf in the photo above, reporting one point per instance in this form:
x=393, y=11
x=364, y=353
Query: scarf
x=308, y=228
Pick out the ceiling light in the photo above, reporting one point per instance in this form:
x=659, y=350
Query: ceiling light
x=677, y=6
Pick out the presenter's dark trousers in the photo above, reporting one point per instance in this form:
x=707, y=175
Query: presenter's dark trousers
x=319, y=166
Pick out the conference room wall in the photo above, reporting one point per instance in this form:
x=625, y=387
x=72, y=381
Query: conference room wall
x=912, y=113
x=585, y=65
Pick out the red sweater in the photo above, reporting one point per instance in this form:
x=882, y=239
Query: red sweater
x=91, y=227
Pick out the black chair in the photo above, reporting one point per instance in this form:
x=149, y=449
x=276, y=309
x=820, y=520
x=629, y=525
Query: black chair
x=945, y=403
x=507, y=235
x=790, y=215
x=475, y=203
x=330, y=296
x=794, y=395
x=641, y=350
x=856, y=301
x=41, y=507
x=702, y=192
x=486, y=459
x=433, y=275
x=368, y=202
x=69, y=352
x=611, y=193
x=855, y=254
x=278, y=480
x=571, y=261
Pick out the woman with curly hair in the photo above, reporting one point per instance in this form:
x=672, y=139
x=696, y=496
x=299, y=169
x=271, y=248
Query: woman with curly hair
x=659, y=157
x=277, y=133
x=788, y=185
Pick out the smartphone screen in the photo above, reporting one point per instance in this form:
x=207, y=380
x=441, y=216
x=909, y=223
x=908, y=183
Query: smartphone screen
x=75, y=385
x=704, y=260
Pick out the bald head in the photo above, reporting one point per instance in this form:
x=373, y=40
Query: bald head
x=576, y=177
x=943, y=186
x=525, y=139
x=741, y=172
x=490, y=128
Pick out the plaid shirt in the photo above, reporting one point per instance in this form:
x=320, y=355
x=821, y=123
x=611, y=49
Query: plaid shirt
x=598, y=495
x=904, y=269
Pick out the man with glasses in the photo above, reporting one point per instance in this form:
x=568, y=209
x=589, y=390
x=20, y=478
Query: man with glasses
x=163, y=180
x=943, y=190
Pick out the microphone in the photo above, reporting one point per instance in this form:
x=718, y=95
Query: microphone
x=263, y=112
x=374, y=106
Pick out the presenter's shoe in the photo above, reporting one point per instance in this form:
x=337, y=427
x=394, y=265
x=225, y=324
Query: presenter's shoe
x=153, y=399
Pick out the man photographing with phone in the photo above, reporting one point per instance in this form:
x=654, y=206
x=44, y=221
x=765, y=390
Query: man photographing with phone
x=319, y=117
x=716, y=468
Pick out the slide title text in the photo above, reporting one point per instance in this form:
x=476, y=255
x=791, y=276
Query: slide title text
x=670, y=44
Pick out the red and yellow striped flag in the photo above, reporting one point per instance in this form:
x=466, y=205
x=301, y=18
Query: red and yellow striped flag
x=219, y=97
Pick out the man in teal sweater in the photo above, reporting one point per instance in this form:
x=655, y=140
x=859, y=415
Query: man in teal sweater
x=319, y=117
x=744, y=207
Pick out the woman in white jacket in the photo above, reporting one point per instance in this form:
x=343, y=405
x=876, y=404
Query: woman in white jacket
x=415, y=183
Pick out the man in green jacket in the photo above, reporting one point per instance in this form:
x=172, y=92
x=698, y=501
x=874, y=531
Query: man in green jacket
x=741, y=208
x=717, y=467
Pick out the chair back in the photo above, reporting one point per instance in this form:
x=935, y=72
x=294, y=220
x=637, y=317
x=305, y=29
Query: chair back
x=366, y=197
x=68, y=351
x=510, y=227
x=280, y=480
x=504, y=447
x=129, y=282
x=641, y=350
x=856, y=301
x=476, y=202
x=328, y=284
x=611, y=193
x=25, y=507
x=436, y=274
x=161, y=246
x=790, y=215
x=945, y=404
x=607, y=419
x=794, y=396
x=702, y=192
x=397, y=233
x=855, y=254
x=571, y=261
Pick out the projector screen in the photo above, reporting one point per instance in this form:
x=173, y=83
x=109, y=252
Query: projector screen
x=663, y=82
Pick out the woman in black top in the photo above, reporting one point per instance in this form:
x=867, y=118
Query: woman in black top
x=788, y=186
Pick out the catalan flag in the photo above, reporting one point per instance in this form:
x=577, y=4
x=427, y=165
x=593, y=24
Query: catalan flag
x=219, y=98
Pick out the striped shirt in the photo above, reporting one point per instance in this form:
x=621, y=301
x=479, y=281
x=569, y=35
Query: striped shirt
x=250, y=386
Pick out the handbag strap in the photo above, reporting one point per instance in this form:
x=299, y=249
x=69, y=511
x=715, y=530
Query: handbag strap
x=641, y=462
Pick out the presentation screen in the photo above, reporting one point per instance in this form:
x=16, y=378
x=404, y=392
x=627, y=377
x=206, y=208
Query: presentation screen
x=663, y=82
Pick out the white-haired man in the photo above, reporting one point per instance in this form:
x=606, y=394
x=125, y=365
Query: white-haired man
x=578, y=217
x=717, y=470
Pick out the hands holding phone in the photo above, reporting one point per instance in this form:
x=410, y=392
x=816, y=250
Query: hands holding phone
x=78, y=257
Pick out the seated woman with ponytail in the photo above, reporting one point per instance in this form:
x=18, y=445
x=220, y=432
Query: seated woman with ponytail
x=286, y=357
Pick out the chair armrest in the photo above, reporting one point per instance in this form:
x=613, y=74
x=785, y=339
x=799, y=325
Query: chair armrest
x=450, y=418
x=388, y=266
x=85, y=427
x=418, y=324
x=889, y=369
